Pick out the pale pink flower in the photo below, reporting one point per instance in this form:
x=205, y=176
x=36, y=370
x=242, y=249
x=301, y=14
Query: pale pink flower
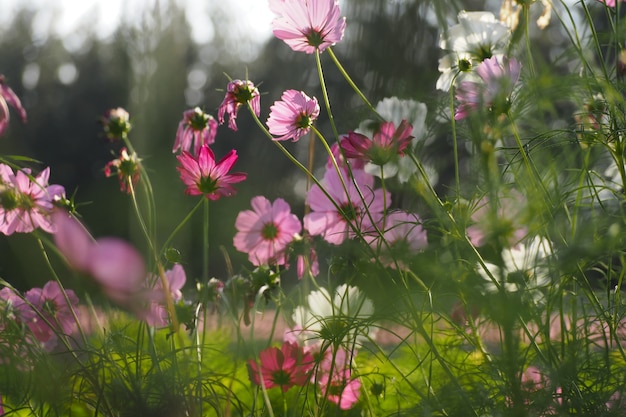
x=114, y=264
x=238, y=92
x=127, y=169
x=387, y=142
x=506, y=226
x=493, y=93
x=26, y=201
x=203, y=176
x=116, y=123
x=285, y=367
x=306, y=25
x=195, y=130
x=334, y=377
x=9, y=98
x=292, y=116
x=402, y=237
x=347, y=215
x=158, y=314
x=266, y=231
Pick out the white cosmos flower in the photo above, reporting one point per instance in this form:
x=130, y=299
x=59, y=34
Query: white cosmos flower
x=343, y=314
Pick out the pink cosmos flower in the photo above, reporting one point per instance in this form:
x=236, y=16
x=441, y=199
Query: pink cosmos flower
x=340, y=159
x=498, y=81
x=158, y=314
x=26, y=201
x=114, y=264
x=238, y=92
x=9, y=98
x=610, y=3
x=126, y=168
x=292, y=116
x=404, y=237
x=265, y=231
x=386, y=143
x=50, y=303
x=203, y=176
x=306, y=25
x=335, y=225
x=334, y=378
x=285, y=367
x=195, y=130
x=307, y=264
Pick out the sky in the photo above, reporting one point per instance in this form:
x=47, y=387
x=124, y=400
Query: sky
x=64, y=17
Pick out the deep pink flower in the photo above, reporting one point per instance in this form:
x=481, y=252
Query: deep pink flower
x=387, y=142
x=403, y=237
x=265, y=231
x=203, y=176
x=238, y=92
x=334, y=377
x=158, y=314
x=26, y=201
x=306, y=25
x=339, y=158
x=195, y=130
x=285, y=367
x=498, y=81
x=114, y=264
x=126, y=168
x=292, y=116
x=9, y=98
x=334, y=225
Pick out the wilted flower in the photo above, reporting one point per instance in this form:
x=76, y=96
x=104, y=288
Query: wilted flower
x=195, y=130
x=306, y=25
x=203, y=176
x=493, y=93
x=238, y=92
x=355, y=208
x=292, y=116
x=116, y=123
x=127, y=169
x=9, y=98
x=26, y=201
x=386, y=143
x=285, y=367
x=265, y=231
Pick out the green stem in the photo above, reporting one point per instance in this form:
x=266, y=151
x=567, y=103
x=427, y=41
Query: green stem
x=205, y=242
x=318, y=62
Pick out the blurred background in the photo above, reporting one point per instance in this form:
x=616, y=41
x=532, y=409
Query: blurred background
x=70, y=61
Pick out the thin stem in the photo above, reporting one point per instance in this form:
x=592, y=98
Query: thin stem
x=320, y=72
x=205, y=241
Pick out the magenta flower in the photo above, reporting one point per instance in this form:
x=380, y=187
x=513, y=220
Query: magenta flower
x=340, y=159
x=238, y=92
x=610, y=3
x=307, y=26
x=265, y=231
x=203, y=176
x=285, y=367
x=158, y=314
x=386, y=143
x=498, y=82
x=292, y=116
x=195, y=130
x=335, y=225
x=403, y=237
x=126, y=168
x=9, y=98
x=114, y=264
x=26, y=201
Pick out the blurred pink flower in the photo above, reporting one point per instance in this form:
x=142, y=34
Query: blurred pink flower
x=238, y=92
x=334, y=377
x=285, y=367
x=353, y=212
x=9, y=98
x=158, y=314
x=265, y=231
x=195, y=130
x=114, y=264
x=116, y=123
x=387, y=142
x=403, y=235
x=292, y=116
x=203, y=176
x=507, y=226
x=26, y=201
x=493, y=93
x=610, y=3
x=307, y=26
x=126, y=168
x=307, y=264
